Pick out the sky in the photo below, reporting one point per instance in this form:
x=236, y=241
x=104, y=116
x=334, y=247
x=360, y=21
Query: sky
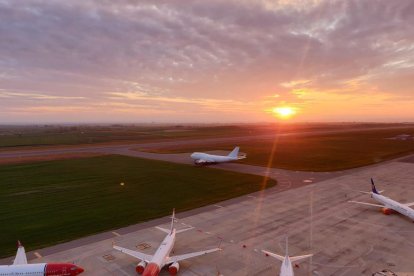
x=206, y=61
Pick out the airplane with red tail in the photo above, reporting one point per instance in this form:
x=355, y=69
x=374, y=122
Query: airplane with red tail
x=151, y=265
x=21, y=267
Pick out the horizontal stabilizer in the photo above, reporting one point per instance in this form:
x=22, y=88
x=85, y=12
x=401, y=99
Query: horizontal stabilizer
x=279, y=257
x=141, y=256
x=183, y=230
x=409, y=204
x=297, y=258
x=366, y=203
x=178, y=258
x=163, y=229
x=364, y=192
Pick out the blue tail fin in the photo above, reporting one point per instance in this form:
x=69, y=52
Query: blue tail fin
x=374, y=190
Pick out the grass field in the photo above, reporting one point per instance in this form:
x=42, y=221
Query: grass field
x=51, y=202
x=327, y=152
x=12, y=137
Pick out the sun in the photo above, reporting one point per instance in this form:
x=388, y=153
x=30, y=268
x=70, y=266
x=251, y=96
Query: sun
x=284, y=112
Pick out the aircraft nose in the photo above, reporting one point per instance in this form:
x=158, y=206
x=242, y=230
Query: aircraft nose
x=80, y=270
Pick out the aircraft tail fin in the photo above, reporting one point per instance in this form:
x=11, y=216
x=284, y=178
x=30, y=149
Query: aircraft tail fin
x=172, y=227
x=287, y=246
x=234, y=153
x=172, y=221
x=374, y=190
x=20, y=258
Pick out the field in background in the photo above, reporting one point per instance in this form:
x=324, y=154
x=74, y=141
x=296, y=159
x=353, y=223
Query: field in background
x=12, y=137
x=328, y=152
x=46, y=203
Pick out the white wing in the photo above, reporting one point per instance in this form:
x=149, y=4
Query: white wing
x=20, y=256
x=297, y=258
x=366, y=203
x=279, y=257
x=178, y=258
x=143, y=257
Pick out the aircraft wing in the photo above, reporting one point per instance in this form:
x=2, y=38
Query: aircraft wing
x=279, y=257
x=178, y=258
x=369, y=204
x=297, y=258
x=20, y=258
x=143, y=257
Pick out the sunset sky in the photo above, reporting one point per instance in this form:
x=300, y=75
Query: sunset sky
x=206, y=61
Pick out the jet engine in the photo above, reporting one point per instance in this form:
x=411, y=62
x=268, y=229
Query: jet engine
x=387, y=211
x=141, y=267
x=173, y=269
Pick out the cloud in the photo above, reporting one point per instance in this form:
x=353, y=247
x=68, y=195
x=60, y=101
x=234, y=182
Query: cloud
x=227, y=56
x=35, y=96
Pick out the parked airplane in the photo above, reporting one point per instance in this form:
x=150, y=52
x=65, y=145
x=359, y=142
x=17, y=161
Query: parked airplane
x=201, y=158
x=388, y=206
x=286, y=269
x=21, y=267
x=151, y=265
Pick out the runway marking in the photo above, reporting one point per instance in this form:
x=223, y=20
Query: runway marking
x=37, y=254
x=116, y=234
x=218, y=206
x=251, y=196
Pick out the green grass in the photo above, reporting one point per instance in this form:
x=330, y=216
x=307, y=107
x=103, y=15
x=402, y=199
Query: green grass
x=12, y=137
x=47, y=203
x=327, y=152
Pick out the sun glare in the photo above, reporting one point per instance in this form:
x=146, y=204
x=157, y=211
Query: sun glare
x=284, y=112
